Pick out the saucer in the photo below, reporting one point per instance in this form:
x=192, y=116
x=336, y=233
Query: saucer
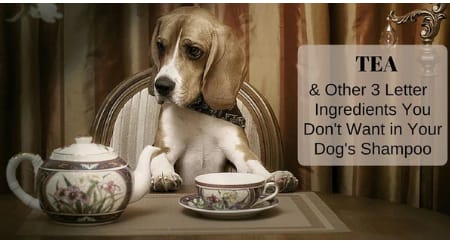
x=194, y=202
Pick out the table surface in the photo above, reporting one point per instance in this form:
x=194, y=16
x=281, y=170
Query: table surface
x=366, y=218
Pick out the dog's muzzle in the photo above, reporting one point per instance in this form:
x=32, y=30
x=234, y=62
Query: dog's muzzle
x=164, y=85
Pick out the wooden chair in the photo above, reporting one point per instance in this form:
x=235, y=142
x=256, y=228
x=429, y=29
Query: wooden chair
x=128, y=118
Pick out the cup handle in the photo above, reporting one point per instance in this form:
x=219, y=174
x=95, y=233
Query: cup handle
x=14, y=185
x=271, y=196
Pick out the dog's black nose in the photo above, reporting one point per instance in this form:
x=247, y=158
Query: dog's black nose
x=164, y=85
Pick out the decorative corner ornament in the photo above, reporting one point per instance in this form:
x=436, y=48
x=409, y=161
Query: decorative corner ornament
x=431, y=20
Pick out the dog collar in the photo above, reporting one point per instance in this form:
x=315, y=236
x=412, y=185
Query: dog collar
x=232, y=115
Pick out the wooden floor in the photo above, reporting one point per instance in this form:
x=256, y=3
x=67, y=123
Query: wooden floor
x=366, y=218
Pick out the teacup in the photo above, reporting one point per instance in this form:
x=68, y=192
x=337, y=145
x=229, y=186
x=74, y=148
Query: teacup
x=233, y=191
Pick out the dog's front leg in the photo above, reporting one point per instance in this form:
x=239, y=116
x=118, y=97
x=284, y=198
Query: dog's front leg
x=237, y=150
x=164, y=177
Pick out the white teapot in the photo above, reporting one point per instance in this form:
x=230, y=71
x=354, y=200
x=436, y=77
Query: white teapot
x=84, y=183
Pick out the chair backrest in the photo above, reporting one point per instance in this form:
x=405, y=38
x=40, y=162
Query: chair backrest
x=128, y=118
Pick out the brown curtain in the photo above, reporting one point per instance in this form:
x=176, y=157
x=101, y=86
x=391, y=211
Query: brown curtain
x=54, y=76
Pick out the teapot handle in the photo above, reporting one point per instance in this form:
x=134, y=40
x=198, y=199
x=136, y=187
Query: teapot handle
x=14, y=185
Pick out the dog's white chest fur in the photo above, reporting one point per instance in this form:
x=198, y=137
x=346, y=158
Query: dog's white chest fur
x=194, y=141
x=201, y=156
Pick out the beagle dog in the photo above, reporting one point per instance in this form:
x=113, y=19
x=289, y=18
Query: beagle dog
x=198, y=69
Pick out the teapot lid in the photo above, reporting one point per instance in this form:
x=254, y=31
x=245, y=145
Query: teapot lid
x=84, y=150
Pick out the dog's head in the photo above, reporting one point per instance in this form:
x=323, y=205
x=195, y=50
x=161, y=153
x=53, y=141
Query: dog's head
x=193, y=53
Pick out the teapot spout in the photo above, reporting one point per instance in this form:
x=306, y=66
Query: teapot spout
x=142, y=176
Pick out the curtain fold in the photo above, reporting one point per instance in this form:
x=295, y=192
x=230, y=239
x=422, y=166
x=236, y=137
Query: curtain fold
x=4, y=87
x=22, y=100
x=54, y=76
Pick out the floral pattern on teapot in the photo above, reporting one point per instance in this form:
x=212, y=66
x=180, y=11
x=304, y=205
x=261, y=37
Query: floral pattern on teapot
x=88, y=194
x=84, y=197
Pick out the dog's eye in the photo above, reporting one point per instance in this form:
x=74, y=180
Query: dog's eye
x=160, y=47
x=193, y=52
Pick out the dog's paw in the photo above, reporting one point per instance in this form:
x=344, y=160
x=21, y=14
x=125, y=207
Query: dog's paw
x=285, y=180
x=166, y=182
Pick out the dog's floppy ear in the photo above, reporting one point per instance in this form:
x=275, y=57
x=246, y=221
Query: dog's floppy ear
x=154, y=57
x=225, y=69
x=151, y=86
